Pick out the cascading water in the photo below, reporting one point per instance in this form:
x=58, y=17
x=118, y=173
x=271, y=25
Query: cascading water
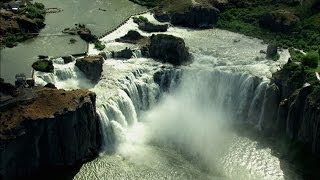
x=162, y=122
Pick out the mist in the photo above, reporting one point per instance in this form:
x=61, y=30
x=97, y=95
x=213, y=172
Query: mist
x=194, y=118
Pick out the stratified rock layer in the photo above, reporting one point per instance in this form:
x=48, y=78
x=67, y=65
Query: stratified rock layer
x=56, y=128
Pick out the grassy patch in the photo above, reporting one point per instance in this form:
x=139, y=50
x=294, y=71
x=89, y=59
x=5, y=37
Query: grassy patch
x=43, y=66
x=98, y=45
x=35, y=10
x=311, y=59
x=305, y=35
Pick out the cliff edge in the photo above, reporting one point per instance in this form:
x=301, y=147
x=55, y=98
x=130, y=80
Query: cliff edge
x=51, y=128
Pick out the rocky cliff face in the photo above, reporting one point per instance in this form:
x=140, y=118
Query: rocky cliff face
x=55, y=128
x=298, y=113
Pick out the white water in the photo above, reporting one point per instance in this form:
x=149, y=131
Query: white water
x=187, y=133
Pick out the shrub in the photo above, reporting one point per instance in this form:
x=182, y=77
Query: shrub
x=140, y=19
x=311, y=59
x=43, y=66
x=35, y=10
x=98, y=45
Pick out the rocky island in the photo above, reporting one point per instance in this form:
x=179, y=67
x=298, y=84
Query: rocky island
x=20, y=21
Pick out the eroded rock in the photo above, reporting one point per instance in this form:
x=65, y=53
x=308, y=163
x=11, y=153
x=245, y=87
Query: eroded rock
x=91, y=66
x=168, y=48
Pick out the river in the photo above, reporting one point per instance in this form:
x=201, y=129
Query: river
x=20, y=58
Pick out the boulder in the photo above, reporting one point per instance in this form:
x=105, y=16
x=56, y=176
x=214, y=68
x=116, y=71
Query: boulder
x=131, y=37
x=272, y=51
x=126, y=53
x=91, y=66
x=168, y=48
x=7, y=88
x=161, y=16
x=51, y=86
x=150, y=27
x=86, y=35
x=196, y=17
x=279, y=21
x=43, y=66
x=67, y=59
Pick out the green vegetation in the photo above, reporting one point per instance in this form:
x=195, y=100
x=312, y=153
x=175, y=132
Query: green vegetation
x=140, y=19
x=311, y=59
x=35, y=10
x=245, y=20
x=13, y=39
x=98, y=45
x=43, y=66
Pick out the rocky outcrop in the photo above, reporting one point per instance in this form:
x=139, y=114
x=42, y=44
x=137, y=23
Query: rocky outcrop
x=126, y=53
x=7, y=88
x=86, y=35
x=161, y=16
x=67, y=59
x=45, y=134
x=303, y=117
x=298, y=112
x=131, y=37
x=17, y=27
x=196, y=17
x=168, y=48
x=145, y=25
x=150, y=27
x=279, y=21
x=91, y=66
x=272, y=51
x=43, y=66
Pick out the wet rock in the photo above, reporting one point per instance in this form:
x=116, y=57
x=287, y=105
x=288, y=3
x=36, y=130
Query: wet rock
x=150, y=27
x=91, y=66
x=126, y=53
x=168, y=48
x=131, y=37
x=67, y=59
x=162, y=16
x=28, y=24
x=43, y=66
x=51, y=86
x=272, y=51
x=104, y=55
x=196, y=17
x=86, y=35
x=7, y=88
x=42, y=57
x=270, y=111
